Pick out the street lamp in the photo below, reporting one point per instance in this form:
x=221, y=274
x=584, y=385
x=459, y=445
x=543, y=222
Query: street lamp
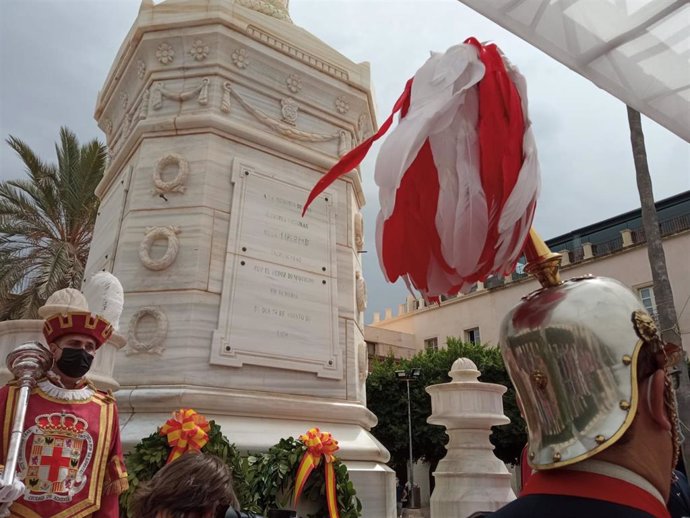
x=407, y=376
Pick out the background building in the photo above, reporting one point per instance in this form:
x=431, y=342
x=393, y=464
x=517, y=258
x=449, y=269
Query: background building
x=613, y=248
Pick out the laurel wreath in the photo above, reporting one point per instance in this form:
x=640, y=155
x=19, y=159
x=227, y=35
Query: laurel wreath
x=261, y=481
x=150, y=454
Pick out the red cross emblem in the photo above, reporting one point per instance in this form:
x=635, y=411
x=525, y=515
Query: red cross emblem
x=56, y=461
x=55, y=456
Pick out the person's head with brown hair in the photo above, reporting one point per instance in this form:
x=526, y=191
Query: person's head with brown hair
x=195, y=485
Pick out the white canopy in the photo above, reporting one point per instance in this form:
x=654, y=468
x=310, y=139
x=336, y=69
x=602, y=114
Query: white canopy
x=637, y=50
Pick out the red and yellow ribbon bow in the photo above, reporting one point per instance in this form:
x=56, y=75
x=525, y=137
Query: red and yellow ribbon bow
x=319, y=444
x=187, y=430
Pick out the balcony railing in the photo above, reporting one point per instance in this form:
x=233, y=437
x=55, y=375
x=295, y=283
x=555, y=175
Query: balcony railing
x=667, y=227
x=608, y=247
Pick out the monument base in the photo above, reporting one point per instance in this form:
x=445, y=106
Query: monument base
x=364, y=456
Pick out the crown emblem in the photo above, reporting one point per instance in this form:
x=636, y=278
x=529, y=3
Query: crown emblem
x=62, y=424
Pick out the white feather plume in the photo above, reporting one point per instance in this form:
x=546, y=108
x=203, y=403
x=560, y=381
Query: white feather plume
x=105, y=297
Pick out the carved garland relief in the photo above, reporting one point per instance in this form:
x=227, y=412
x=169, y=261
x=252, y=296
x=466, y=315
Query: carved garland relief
x=177, y=184
x=169, y=233
x=225, y=102
x=144, y=106
x=362, y=361
x=160, y=92
x=153, y=345
x=363, y=127
x=285, y=127
x=361, y=292
x=359, y=231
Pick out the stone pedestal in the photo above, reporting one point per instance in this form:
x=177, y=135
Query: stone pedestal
x=220, y=115
x=469, y=478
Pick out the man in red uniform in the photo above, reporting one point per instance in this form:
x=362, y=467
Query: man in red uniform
x=590, y=368
x=70, y=460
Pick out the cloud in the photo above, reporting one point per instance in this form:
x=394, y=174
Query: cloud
x=55, y=56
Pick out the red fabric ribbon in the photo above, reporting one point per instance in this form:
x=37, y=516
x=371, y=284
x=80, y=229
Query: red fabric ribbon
x=319, y=445
x=355, y=156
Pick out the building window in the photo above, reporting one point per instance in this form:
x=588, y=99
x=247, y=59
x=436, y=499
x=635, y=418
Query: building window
x=431, y=344
x=371, y=349
x=646, y=295
x=472, y=335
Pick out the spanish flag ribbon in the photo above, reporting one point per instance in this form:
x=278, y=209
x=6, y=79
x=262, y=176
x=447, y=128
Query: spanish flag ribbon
x=187, y=430
x=319, y=445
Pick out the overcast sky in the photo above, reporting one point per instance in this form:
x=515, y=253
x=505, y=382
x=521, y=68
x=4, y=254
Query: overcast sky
x=55, y=54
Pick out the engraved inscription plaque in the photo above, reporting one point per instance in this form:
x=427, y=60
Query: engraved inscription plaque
x=279, y=299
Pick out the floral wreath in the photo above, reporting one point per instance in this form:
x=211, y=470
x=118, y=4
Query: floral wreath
x=289, y=472
x=186, y=430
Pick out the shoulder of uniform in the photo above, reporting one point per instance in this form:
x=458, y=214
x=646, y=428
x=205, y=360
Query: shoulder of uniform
x=105, y=396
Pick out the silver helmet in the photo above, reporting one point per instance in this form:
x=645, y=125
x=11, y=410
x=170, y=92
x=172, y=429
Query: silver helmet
x=571, y=351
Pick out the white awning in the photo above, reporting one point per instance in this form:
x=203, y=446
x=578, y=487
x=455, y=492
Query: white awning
x=637, y=50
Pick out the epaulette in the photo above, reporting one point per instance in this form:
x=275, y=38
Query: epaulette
x=105, y=396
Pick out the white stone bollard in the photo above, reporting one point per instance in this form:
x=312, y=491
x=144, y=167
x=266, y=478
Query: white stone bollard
x=470, y=477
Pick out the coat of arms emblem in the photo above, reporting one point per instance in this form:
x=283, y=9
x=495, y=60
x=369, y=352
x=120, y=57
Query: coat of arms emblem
x=55, y=454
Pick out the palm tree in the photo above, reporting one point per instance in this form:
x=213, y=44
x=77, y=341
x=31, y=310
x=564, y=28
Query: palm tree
x=663, y=294
x=46, y=223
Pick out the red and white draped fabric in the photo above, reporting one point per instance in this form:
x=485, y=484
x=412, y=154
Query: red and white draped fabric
x=458, y=177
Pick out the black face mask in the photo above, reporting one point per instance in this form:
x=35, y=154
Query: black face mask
x=74, y=362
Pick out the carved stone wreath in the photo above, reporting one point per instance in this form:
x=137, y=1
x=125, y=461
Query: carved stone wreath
x=177, y=184
x=155, y=344
x=168, y=233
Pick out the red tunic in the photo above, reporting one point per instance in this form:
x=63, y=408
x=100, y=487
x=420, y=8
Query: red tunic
x=70, y=457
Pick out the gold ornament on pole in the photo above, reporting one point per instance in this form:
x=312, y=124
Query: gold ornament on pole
x=28, y=363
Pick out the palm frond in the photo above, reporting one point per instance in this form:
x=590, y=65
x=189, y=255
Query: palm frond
x=27, y=197
x=56, y=272
x=35, y=167
x=46, y=223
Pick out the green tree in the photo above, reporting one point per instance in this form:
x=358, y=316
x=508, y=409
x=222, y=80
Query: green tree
x=387, y=398
x=46, y=223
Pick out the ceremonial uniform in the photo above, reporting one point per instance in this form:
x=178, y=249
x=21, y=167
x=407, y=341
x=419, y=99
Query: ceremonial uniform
x=70, y=458
x=592, y=489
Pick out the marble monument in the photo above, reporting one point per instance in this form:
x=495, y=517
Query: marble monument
x=220, y=115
